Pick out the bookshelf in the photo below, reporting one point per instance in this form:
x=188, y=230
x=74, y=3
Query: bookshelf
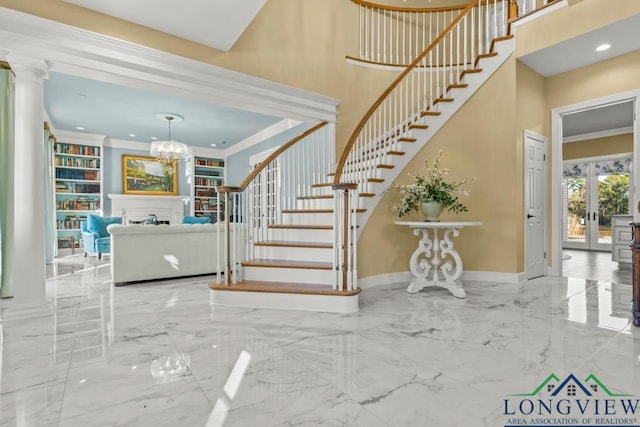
x=78, y=189
x=208, y=174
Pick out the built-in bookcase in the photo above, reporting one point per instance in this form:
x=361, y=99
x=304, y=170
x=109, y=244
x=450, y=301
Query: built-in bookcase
x=78, y=189
x=208, y=174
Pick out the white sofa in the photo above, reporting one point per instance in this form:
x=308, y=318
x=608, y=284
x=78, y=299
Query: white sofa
x=148, y=252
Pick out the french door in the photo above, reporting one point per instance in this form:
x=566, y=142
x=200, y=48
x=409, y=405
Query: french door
x=594, y=191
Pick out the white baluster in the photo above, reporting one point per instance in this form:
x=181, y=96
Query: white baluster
x=360, y=51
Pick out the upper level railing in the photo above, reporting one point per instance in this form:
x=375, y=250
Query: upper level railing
x=397, y=35
x=527, y=7
x=419, y=88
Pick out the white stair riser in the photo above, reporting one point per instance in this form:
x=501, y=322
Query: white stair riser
x=293, y=253
x=325, y=190
x=294, y=275
x=316, y=218
x=314, y=203
x=301, y=235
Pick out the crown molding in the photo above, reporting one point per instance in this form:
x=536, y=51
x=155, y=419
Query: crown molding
x=80, y=138
x=127, y=145
x=600, y=134
x=263, y=135
x=79, y=52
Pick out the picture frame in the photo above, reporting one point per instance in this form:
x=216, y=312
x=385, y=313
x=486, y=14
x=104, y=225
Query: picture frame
x=148, y=176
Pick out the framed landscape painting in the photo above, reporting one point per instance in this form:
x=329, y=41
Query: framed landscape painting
x=148, y=175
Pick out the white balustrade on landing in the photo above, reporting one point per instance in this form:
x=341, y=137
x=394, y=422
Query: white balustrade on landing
x=264, y=200
x=396, y=36
x=420, y=88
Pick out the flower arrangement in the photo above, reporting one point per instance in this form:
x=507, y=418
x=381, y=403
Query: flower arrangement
x=431, y=187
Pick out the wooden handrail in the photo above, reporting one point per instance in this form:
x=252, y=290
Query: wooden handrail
x=408, y=9
x=392, y=86
x=275, y=154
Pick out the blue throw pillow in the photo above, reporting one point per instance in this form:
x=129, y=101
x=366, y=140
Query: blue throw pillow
x=98, y=224
x=196, y=220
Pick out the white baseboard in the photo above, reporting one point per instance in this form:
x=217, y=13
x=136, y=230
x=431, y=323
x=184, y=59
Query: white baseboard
x=384, y=279
x=405, y=276
x=493, y=276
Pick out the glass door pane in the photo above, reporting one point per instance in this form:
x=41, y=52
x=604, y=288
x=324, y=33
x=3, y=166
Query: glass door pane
x=613, y=199
x=576, y=211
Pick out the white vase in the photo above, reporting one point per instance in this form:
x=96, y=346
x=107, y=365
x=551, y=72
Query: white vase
x=431, y=210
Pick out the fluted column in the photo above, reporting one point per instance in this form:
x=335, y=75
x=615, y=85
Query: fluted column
x=29, y=219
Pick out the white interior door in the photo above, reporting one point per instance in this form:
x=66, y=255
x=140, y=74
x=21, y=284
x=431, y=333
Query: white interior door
x=535, y=187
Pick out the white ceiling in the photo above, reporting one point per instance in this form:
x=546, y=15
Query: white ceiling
x=609, y=118
x=213, y=23
x=623, y=36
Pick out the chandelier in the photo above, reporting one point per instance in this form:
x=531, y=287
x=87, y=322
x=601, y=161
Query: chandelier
x=169, y=151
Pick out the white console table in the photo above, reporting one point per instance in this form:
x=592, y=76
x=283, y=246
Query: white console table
x=434, y=253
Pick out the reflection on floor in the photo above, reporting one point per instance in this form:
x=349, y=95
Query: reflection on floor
x=158, y=354
x=594, y=266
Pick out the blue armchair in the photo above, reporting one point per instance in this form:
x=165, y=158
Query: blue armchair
x=196, y=220
x=95, y=237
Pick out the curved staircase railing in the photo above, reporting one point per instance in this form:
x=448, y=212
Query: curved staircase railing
x=273, y=188
x=419, y=90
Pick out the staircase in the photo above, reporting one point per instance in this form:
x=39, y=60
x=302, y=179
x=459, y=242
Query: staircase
x=300, y=213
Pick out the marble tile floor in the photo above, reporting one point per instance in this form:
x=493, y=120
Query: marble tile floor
x=158, y=354
x=594, y=265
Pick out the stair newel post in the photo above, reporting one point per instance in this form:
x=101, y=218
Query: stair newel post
x=513, y=9
x=344, y=214
x=226, y=238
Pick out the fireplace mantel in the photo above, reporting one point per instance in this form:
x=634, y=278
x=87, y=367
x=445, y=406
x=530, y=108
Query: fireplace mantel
x=137, y=207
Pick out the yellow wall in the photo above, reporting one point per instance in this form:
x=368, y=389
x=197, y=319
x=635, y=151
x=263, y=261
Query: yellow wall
x=532, y=115
x=477, y=141
x=598, y=147
x=616, y=75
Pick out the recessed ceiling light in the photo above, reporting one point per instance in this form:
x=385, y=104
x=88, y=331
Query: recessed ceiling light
x=214, y=145
x=79, y=128
x=223, y=142
x=154, y=138
x=132, y=134
x=603, y=47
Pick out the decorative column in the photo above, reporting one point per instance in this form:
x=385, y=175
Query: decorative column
x=29, y=202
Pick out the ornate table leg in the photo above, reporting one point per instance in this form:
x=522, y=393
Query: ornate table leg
x=452, y=271
x=432, y=255
x=419, y=264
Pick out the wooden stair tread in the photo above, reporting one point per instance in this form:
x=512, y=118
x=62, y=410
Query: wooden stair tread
x=321, y=196
x=282, y=287
x=301, y=227
x=418, y=126
x=407, y=139
x=430, y=113
x=375, y=179
x=325, y=184
x=471, y=71
x=442, y=100
x=283, y=263
x=314, y=210
x=291, y=244
x=457, y=86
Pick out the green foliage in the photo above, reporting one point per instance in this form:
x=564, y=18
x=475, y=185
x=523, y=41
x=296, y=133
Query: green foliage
x=613, y=196
x=433, y=186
